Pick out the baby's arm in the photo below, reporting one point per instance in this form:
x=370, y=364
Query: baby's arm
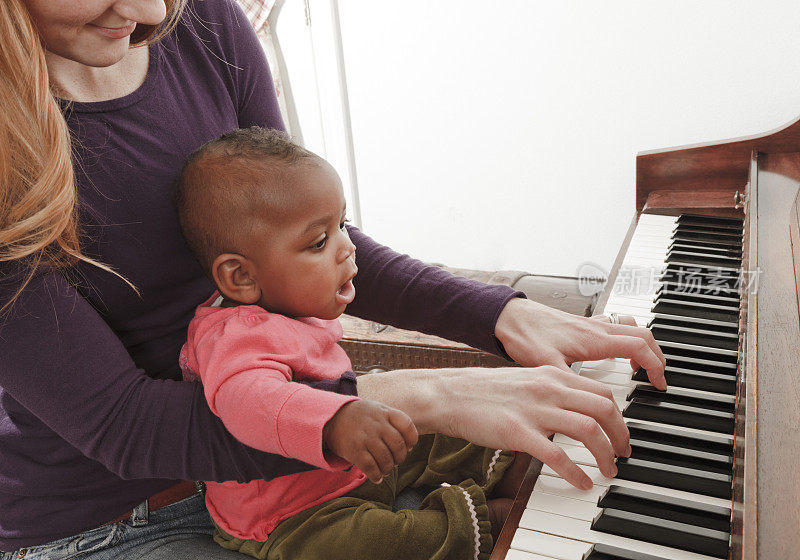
x=246, y=357
x=246, y=368
x=371, y=435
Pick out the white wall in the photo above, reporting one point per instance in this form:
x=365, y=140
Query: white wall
x=502, y=135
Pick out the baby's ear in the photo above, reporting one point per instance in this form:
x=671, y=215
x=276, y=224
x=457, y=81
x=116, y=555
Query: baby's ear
x=233, y=275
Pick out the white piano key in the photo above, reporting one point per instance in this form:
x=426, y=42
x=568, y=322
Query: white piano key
x=658, y=219
x=578, y=454
x=521, y=555
x=549, y=546
x=635, y=312
x=560, y=505
x=608, y=377
x=728, y=437
x=581, y=530
x=618, y=365
x=644, y=304
x=561, y=438
x=560, y=487
x=661, y=241
x=601, y=481
x=566, y=507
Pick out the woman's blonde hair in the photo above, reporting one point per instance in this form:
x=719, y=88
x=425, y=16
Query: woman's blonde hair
x=38, y=218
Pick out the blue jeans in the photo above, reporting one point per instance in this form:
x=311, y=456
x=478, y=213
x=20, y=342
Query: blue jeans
x=180, y=531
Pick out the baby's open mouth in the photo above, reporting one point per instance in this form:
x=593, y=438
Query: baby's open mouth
x=346, y=293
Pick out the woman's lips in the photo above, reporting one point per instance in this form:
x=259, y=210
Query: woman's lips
x=346, y=294
x=115, y=32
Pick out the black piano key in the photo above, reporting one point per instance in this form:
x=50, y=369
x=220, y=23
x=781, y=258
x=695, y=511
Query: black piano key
x=693, y=276
x=728, y=299
x=702, y=259
x=679, y=229
x=663, y=532
x=706, y=289
x=708, y=230
x=696, y=322
x=673, y=455
x=654, y=409
x=709, y=234
x=697, y=364
x=678, y=395
x=700, y=241
x=697, y=247
x=702, y=380
x=694, y=336
x=723, y=241
x=710, y=443
x=701, y=271
x=666, y=507
x=700, y=295
x=710, y=244
x=670, y=306
x=723, y=228
x=699, y=235
x=606, y=552
x=706, y=483
x=718, y=221
x=697, y=352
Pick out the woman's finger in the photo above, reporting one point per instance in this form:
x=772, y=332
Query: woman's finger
x=621, y=319
x=588, y=431
x=627, y=325
x=554, y=457
x=644, y=334
x=638, y=349
x=600, y=419
x=586, y=384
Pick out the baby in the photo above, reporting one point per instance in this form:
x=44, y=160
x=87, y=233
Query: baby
x=266, y=220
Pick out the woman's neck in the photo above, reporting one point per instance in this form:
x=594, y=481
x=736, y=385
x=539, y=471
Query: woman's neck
x=78, y=82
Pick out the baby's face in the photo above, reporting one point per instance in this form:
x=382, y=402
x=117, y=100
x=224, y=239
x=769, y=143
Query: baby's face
x=305, y=263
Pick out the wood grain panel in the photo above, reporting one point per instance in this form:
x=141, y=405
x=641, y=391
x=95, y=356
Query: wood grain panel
x=718, y=166
x=778, y=349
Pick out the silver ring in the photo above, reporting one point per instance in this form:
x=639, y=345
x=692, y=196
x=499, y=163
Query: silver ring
x=613, y=318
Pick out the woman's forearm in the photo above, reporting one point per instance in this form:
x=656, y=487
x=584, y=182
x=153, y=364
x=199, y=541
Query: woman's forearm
x=510, y=408
x=422, y=394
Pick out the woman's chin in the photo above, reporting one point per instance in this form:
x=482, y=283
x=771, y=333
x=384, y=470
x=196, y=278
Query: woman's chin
x=96, y=54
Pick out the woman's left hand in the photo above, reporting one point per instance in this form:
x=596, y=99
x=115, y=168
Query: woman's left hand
x=536, y=335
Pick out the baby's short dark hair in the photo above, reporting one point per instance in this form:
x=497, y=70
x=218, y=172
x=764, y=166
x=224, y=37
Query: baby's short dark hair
x=227, y=182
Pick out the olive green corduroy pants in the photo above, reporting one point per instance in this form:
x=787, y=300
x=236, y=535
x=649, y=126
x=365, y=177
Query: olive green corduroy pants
x=451, y=524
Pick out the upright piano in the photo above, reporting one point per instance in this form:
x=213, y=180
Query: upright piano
x=711, y=264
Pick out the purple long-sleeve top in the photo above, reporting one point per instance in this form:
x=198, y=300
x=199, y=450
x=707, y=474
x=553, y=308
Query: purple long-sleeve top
x=93, y=415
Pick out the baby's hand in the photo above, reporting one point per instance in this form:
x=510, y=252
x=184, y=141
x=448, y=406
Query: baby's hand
x=371, y=435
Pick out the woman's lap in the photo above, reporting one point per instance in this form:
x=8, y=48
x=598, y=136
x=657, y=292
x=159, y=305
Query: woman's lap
x=181, y=531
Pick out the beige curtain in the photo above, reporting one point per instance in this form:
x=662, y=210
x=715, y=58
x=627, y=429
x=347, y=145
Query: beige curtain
x=257, y=12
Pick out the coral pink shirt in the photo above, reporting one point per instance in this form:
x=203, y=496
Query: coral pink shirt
x=242, y=353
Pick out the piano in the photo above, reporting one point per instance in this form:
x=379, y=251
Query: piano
x=711, y=264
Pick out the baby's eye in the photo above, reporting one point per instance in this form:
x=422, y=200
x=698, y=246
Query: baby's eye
x=319, y=244
x=345, y=221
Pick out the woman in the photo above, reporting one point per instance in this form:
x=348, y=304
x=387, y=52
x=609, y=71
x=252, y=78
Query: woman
x=92, y=418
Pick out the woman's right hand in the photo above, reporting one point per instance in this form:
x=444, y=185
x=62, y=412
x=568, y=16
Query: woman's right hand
x=511, y=408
